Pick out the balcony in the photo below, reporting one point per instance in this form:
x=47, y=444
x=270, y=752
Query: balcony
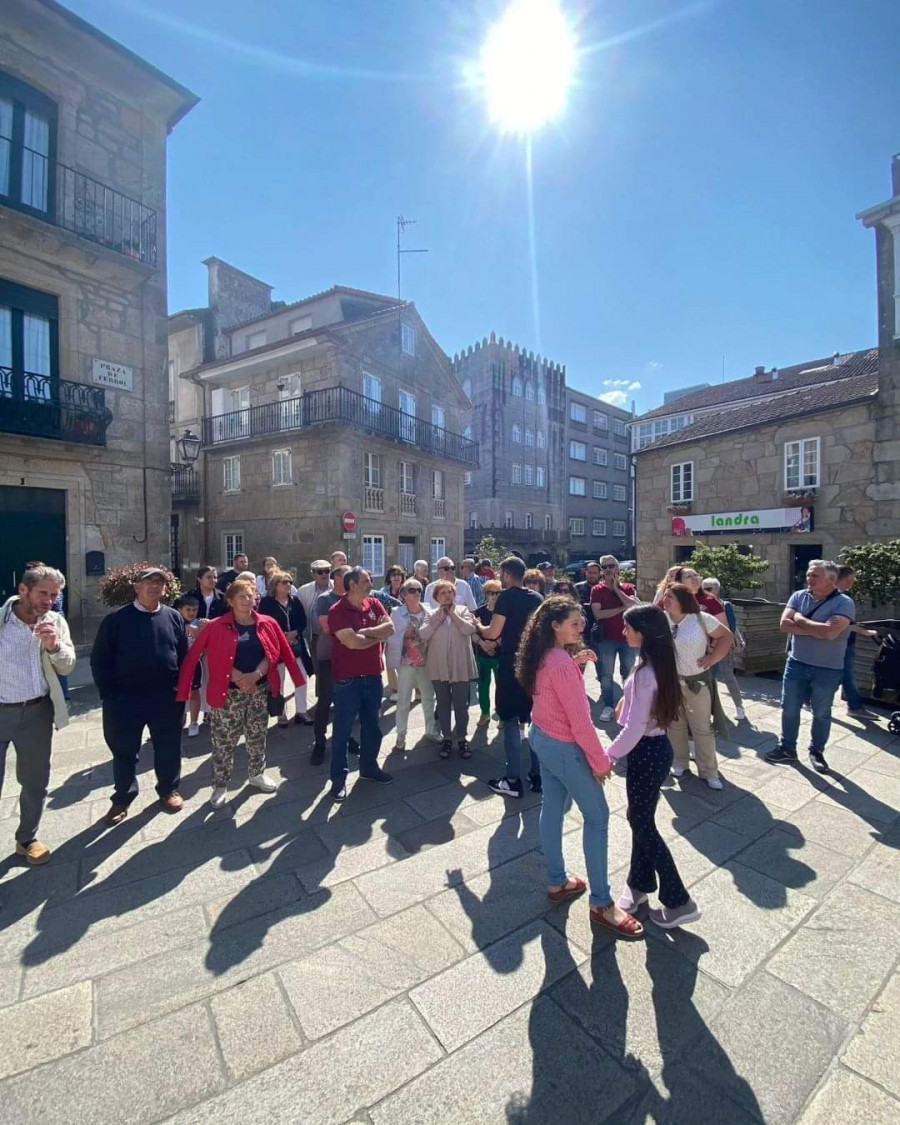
x=343, y=406
x=78, y=203
x=440, y=508
x=407, y=503
x=41, y=406
x=185, y=484
x=373, y=500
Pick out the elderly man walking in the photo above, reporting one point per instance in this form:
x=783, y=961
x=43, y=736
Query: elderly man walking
x=446, y=571
x=817, y=620
x=135, y=662
x=35, y=650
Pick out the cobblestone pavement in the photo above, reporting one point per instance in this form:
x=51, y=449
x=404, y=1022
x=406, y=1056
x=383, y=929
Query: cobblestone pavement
x=394, y=960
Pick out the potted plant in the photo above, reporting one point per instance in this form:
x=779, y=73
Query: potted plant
x=799, y=497
x=117, y=588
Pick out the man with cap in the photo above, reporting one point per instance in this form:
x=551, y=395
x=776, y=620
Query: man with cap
x=309, y=593
x=546, y=568
x=135, y=662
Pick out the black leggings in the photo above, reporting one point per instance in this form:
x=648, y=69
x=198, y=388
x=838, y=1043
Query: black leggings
x=648, y=766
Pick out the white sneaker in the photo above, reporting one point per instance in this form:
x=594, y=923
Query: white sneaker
x=394, y=697
x=262, y=782
x=676, y=771
x=219, y=797
x=193, y=730
x=434, y=736
x=692, y=751
x=714, y=782
x=740, y=714
x=606, y=715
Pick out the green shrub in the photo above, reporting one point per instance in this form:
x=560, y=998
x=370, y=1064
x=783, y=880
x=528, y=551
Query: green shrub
x=734, y=570
x=877, y=567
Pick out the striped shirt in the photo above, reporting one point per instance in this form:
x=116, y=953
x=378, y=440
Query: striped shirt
x=21, y=675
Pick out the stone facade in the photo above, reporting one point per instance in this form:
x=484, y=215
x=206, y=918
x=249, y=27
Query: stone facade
x=101, y=287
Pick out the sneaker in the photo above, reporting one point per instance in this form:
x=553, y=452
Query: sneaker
x=606, y=715
x=219, y=797
x=35, y=852
x=495, y=717
x=317, y=757
x=534, y=783
x=818, y=761
x=630, y=900
x=263, y=782
x=338, y=791
x=677, y=771
x=505, y=787
x=668, y=918
x=483, y=720
x=393, y=697
x=740, y=714
x=781, y=754
x=353, y=746
x=193, y=730
x=381, y=776
x=284, y=721
x=714, y=782
x=400, y=744
x=434, y=736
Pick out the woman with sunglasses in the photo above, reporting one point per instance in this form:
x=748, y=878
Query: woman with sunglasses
x=486, y=655
x=405, y=655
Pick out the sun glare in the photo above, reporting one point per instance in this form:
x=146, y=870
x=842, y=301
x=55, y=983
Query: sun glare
x=527, y=63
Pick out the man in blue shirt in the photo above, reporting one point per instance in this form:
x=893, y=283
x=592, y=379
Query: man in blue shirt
x=818, y=621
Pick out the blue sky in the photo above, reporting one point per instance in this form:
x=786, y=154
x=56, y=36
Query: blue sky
x=696, y=200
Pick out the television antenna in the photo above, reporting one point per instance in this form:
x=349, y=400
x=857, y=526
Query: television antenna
x=402, y=224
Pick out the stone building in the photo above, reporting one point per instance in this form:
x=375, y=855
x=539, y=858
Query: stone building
x=84, y=436
x=339, y=403
x=598, y=478
x=517, y=416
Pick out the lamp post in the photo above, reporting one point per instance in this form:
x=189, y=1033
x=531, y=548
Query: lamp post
x=189, y=447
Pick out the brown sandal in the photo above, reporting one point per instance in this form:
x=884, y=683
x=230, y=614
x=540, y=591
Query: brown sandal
x=629, y=928
x=578, y=888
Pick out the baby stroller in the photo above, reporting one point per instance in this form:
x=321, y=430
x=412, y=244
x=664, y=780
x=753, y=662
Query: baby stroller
x=887, y=675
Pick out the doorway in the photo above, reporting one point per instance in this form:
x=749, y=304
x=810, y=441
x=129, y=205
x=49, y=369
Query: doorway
x=406, y=552
x=801, y=557
x=34, y=527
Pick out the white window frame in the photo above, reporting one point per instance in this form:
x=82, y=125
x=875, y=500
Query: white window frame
x=541, y=440
x=407, y=478
x=598, y=528
x=578, y=413
x=437, y=484
x=517, y=433
x=408, y=408
x=509, y=520
x=517, y=388
x=438, y=547
x=529, y=390
x=516, y=476
x=619, y=428
x=795, y=461
x=407, y=339
x=541, y=393
x=618, y=529
x=371, y=546
x=528, y=475
x=249, y=346
x=306, y=322
x=438, y=417
x=468, y=433
x=529, y=436
x=577, y=486
x=601, y=420
x=371, y=383
x=678, y=494
x=372, y=470
x=577, y=450
x=576, y=525
x=473, y=521
x=539, y=477
x=620, y=493
x=601, y=490
x=467, y=478
x=620, y=462
x=231, y=474
x=232, y=546
x=548, y=522
x=601, y=456
x=529, y=521
x=282, y=468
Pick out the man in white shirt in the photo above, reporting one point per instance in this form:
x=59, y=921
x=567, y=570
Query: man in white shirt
x=35, y=650
x=308, y=594
x=446, y=572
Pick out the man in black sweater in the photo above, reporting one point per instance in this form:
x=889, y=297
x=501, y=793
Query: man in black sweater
x=135, y=663
x=238, y=566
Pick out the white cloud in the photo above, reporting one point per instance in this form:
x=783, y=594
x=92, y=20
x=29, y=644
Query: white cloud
x=627, y=384
x=654, y=365
x=614, y=398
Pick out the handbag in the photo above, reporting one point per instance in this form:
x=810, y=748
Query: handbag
x=275, y=706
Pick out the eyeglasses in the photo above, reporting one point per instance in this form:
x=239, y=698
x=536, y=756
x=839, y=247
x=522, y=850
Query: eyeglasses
x=326, y=570
x=609, y=566
x=446, y=568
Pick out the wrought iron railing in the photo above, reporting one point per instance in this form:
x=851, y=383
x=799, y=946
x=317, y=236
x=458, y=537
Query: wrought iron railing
x=66, y=198
x=185, y=483
x=41, y=406
x=339, y=404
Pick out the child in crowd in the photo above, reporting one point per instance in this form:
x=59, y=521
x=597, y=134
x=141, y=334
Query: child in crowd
x=189, y=606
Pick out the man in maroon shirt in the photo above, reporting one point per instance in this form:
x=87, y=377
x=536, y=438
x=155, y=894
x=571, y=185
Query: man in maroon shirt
x=358, y=624
x=609, y=600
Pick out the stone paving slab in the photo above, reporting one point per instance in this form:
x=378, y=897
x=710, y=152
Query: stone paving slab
x=38, y=1031
x=850, y=1100
x=875, y=1049
x=254, y=1026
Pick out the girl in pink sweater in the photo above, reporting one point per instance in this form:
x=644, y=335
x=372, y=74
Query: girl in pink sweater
x=574, y=765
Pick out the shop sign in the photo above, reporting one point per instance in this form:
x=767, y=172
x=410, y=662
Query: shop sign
x=745, y=522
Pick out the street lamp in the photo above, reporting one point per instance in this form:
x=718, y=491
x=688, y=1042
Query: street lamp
x=189, y=447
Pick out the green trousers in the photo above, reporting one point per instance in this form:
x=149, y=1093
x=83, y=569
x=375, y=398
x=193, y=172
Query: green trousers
x=487, y=666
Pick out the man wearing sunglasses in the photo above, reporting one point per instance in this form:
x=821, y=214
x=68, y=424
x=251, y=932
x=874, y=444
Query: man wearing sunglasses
x=446, y=571
x=308, y=594
x=609, y=600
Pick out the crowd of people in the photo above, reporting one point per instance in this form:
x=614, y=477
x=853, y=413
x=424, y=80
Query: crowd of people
x=227, y=649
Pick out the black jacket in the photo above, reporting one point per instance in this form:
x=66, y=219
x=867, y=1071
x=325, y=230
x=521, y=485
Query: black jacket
x=138, y=654
x=289, y=617
x=218, y=607
x=226, y=579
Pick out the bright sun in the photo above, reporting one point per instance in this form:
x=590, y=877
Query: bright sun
x=526, y=65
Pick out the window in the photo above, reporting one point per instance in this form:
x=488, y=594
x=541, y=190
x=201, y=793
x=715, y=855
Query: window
x=468, y=433
x=601, y=420
x=27, y=147
x=508, y=520
x=539, y=476
x=529, y=390
x=578, y=413
x=372, y=387
x=289, y=391
x=438, y=549
x=601, y=457
x=529, y=521
x=577, y=486
x=529, y=435
x=437, y=484
x=516, y=473
x=468, y=477
x=473, y=519
x=407, y=478
x=598, y=529
x=29, y=343
x=373, y=554
x=517, y=386
x=541, y=393
x=620, y=492
x=683, y=482
x=517, y=433
x=231, y=470
x=300, y=324
x=620, y=461
x=548, y=523
x=467, y=388
x=407, y=417
x=254, y=340
x=281, y=467
x=600, y=490
x=529, y=474
x=372, y=471
x=232, y=545
x=407, y=339
x=648, y=432
x=437, y=416
x=541, y=440
x=619, y=428
x=576, y=526
x=801, y=463
x=577, y=451
x=618, y=528
x=170, y=368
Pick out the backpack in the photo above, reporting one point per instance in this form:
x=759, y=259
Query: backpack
x=887, y=666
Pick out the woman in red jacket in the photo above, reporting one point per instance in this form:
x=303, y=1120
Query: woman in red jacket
x=243, y=650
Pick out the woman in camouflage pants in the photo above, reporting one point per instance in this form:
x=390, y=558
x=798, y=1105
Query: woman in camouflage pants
x=242, y=714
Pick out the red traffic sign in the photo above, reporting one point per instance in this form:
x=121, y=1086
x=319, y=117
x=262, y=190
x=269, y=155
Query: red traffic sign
x=348, y=521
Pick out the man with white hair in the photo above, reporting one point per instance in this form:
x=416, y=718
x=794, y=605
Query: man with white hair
x=818, y=621
x=35, y=650
x=446, y=571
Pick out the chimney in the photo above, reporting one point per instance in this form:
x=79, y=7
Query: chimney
x=760, y=375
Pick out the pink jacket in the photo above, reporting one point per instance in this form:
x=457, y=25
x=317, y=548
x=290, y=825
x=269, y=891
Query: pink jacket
x=561, y=707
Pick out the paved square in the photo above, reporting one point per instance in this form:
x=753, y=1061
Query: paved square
x=394, y=960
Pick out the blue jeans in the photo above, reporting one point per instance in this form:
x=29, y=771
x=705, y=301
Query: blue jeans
x=360, y=695
x=567, y=776
x=607, y=651
x=802, y=682
x=848, y=681
x=512, y=744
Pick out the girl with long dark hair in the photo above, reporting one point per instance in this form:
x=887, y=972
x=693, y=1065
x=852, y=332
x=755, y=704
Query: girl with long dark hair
x=652, y=702
x=574, y=765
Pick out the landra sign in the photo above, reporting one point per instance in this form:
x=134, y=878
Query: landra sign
x=763, y=519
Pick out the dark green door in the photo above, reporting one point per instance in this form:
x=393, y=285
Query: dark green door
x=32, y=526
